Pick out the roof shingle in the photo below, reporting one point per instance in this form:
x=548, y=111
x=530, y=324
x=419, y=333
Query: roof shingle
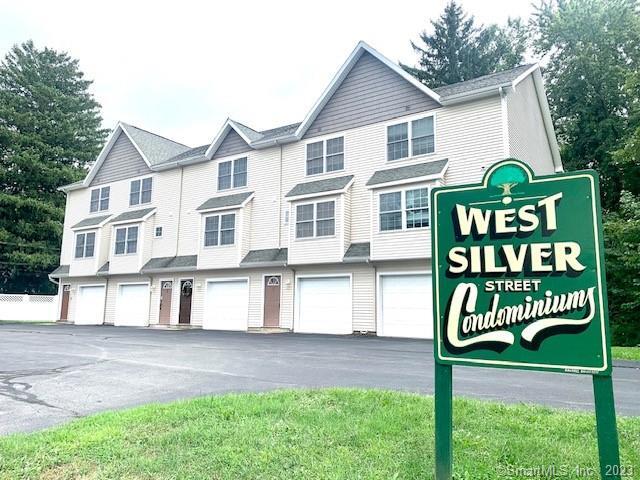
x=320, y=186
x=132, y=215
x=226, y=201
x=409, y=171
x=182, y=262
x=494, y=79
x=91, y=221
x=267, y=255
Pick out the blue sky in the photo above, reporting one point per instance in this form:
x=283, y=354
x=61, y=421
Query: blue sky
x=180, y=68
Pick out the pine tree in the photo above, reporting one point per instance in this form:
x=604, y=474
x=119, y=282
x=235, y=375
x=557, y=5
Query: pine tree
x=459, y=50
x=49, y=133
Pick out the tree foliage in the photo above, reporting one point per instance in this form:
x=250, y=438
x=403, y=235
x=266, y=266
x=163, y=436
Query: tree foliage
x=593, y=48
x=458, y=49
x=49, y=132
x=622, y=251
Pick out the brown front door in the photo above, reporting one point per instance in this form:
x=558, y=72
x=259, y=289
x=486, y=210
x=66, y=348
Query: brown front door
x=272, y=301
x=186, y=289
x=166, y=292
x=64, y=310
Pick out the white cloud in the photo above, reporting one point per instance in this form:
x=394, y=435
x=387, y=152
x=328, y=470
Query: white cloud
x=180, y=68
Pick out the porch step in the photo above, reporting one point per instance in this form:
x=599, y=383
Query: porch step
x=268, y=330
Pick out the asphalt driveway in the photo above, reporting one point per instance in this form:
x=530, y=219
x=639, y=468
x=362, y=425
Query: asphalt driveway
x=50, y=374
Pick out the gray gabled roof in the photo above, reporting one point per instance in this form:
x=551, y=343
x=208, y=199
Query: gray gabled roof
x=409, y=171
x=61, y=271
x=182, y=262
x=91, y=221
x=156, y=148
x=358, y=252
x=248, y=132
x=132, y=215
x=320, y=186
x=227, y=201
x=283, y=131
x=192, y=154
x=492, y=80
x=265, y=256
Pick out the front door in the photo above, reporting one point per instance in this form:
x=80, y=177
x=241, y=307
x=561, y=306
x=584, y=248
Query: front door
x=64, y=310
x=166, y=292
x=272, y=301
x=186, y=289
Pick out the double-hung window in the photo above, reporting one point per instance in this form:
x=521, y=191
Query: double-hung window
x=409, y=139
x=85, y=244
x=404, y=209
x=316, y=219
x=219, y=230
x=140, y=192
x=99, y=199
x=325, y=156
x=126, y=240
x=232, y=174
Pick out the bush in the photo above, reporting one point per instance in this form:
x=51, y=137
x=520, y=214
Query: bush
x=622, y=254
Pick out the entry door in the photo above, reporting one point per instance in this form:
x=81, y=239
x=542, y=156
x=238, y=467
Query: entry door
x=64, y=310
x=272, y=301
x=166, y=293
x=186, y=290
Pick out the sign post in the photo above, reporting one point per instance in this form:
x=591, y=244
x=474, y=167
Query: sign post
x=518, y=269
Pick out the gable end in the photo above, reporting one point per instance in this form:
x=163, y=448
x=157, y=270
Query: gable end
x=231, y=145
x=371, y=93
x=123, y=161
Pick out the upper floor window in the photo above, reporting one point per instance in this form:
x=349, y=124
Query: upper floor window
x=219, y=230
x=404, y=209
x=99, y=199
x=141, y=191
x=232, y=174
x=158, y=232
x=126, y=240
x=315, y=219
x=318, y=162
x=85, y=244
x=421, y=134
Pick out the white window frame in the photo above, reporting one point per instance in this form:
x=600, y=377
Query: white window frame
x=141, y=180
x=409, y=121
x=126, y=240
x=101, y=198
x=403, y=208
x=218, y=244
x=84, y=245
x=315, y=220
x=324, y=155
x=155, y=231
x=233, y=185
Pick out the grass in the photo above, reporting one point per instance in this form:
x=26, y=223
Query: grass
x=626, y=353
x=312, y=434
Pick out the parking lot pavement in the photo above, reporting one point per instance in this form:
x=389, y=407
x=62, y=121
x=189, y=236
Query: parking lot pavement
x=50, y=374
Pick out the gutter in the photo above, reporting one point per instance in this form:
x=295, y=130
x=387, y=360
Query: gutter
x=474, y=94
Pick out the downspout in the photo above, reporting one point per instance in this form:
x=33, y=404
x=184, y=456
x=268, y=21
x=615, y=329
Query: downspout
x=505, y=122
x=293, y=298
x=280, y=219
x=104, y=309
x=179, y=208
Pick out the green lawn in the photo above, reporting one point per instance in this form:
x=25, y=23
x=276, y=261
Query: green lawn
x=328, y=434
x=626, y=353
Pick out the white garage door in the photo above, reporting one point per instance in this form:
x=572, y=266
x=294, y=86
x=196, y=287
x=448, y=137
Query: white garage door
x=227, y=305
x=324, y=305
x=90, y=305
x=132, y=305
x=406, y=306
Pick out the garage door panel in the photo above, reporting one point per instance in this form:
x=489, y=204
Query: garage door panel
x=406, y=306
x=90, y=305
x=227, y=305
x=132, y=305
x=324, y=305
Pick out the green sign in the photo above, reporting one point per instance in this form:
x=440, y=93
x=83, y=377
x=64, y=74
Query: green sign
x=518, y=272
x=518, y=282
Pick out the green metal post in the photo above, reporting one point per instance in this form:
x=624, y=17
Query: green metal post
x=606, y=427
x=444, y=422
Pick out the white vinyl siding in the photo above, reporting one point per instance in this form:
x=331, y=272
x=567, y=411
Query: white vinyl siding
x=99, y=199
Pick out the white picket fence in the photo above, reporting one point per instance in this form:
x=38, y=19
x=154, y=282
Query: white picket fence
x=28, y=307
